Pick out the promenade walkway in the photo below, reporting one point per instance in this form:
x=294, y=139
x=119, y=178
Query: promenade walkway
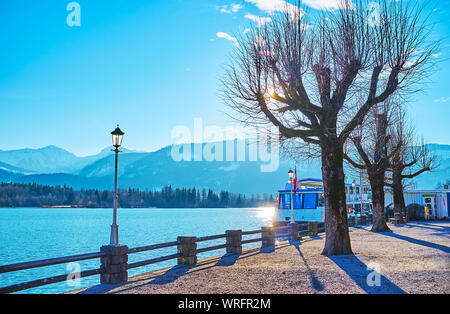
x=413, y=259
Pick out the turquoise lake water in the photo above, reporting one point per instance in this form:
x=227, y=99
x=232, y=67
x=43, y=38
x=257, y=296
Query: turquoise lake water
x=28, y=234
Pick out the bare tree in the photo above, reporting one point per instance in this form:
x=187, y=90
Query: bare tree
x=411, y=159
x=371, y=145
x=317, y=82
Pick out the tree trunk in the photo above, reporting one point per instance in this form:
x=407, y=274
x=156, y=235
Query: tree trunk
x=377, y=173
x=336, y=223
x=379, y=218
x=399, y=200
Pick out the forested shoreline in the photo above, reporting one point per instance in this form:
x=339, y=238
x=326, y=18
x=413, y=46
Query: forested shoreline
x=35, y=195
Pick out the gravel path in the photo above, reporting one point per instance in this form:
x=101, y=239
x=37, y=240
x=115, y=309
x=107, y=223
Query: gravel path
x=413, y=259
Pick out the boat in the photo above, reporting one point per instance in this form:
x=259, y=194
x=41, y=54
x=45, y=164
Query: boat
x=309, y=202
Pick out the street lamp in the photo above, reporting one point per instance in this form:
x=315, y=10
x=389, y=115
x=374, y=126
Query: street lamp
x=354, y=199
x=117, y=137
x=291, y=177
x=354, y=189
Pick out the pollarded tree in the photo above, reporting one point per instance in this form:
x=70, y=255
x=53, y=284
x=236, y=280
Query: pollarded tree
x=409, y=161
x=317, y=82
x=370, y=144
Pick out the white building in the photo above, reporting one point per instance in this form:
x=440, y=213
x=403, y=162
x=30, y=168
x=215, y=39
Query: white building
x=437, y=200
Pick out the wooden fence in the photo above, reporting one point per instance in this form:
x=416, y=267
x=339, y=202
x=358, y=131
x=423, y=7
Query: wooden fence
x=114, y=259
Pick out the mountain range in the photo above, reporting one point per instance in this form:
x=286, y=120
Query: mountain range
x=152, y=170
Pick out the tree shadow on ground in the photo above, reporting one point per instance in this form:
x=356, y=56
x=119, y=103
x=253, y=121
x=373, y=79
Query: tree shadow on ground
x=432, y=245
x=315, y=283
x=267, y=249
x=359, y=272
x=444, y=229
x=170, y=275
x=227, y=260
x=100, y=289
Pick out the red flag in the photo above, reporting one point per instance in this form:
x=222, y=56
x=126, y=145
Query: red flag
x=295, y=181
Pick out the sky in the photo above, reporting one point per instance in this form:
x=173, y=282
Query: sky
x=149, y=66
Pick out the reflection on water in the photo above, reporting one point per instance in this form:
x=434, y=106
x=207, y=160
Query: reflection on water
x=266, y=214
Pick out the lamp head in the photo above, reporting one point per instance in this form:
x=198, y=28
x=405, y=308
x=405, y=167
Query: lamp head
x=291, y=174
x=117, y=137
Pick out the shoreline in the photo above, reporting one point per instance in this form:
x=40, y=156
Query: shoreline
x=82, y=207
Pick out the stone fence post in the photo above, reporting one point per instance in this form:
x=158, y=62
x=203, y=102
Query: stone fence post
x=187, y=247
x=268, y=236
x=294, y=232
x=364, y=220
x=114, y=264
x=234, y=241
x=313, y=228
x=397, y=218
x=351, y=221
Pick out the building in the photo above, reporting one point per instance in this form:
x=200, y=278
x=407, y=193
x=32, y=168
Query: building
x=437, y=201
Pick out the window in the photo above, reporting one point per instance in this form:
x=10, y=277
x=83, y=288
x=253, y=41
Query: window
x=306, y=201
x=285, y=201
x=310, y=201
x=297, y=200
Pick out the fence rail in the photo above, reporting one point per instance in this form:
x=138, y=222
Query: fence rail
x=152, y=247
x=213, y=237
x=152, y=261
x=114, y=259
x=212, y=248
x=48, y=262
x=46, y=281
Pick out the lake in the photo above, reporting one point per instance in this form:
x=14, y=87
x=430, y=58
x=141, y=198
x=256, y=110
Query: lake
x=28, y=234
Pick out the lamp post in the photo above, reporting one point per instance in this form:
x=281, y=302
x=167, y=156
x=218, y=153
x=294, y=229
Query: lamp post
x=361, y=192
x=354, y=190
x=117, y=137
x=353, y=197
x=291, y=177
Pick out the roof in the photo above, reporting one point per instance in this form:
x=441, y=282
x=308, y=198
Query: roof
x=301, y=190
x=317, y=182
x=427, y=191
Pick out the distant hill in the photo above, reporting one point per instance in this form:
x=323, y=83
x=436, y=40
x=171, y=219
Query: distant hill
x=158, y=169
x=9, y=173
x=47, y=159
x=50, y=159
x=10, y=168
x=54, y=166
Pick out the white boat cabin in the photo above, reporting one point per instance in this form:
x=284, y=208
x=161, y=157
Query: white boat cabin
x=309, y=203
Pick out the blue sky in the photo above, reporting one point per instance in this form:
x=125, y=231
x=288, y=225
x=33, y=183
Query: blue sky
x=148, y=65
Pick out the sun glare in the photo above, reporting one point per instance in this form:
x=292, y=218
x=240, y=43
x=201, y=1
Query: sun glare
x=266, y=213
